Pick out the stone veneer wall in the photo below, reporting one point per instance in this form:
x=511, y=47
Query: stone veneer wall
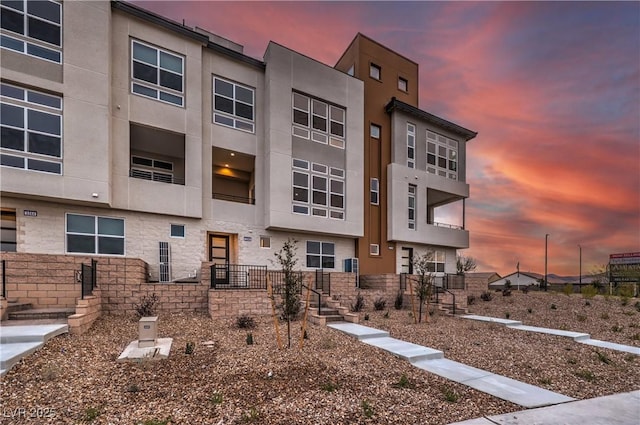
x=87, y=311
x=476, y=286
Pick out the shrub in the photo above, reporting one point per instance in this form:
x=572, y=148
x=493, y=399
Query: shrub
x=525, y=289
x=386, y=315
x=589, y=291
x=603, y=358
x=571, y=360
x=604, y=316
x=486, y=296
x=635, y=337
x=581, y=318
x=329, y=386
x=403, y=382
x=366, y=316
x=147, y=306
x=637, y=305
x=616, y=328
x=216, y=398
x=450, y=395
x=568, y=289
x=545, y=381
x=379, y=304
x=554, y=307
x=506, y=292
x=251, y=416
x=471, y=299
x=245, y=322
x=359, y=304
x=507, y=315
x=189, y=348
x=587, y=303
x=367, y=409
x=399, y=300
x=249, y=338
x=587, y=375
x=91, y=414
x=529, y=310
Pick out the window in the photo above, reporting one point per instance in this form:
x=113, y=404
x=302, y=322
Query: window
x=374, y=130
x=233, y=105
x=33, y=28
x=375, y=191
x=411, y=146
x=351, y=71
x=157, y=73
x=437, y=263
x=442, y=156
x=318, y=190
x=375, y=71
x=374, y=249
x=412, y=206
x=177, y=231
x=8, y=240
x=90, y=234
x=317, y=120
x=31, y=129
x=320, y=255
x=152, y=169
x=265, y=242
x=403, y=84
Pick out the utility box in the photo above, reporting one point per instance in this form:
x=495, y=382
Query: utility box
x=147, y=331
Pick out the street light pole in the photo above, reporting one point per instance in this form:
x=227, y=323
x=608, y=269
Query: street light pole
x=580, y=278
x=546, y=238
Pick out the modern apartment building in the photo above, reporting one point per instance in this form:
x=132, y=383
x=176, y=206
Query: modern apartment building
x=127, y=134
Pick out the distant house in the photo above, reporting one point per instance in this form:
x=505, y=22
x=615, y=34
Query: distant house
x=518, y=280
x=479, y=282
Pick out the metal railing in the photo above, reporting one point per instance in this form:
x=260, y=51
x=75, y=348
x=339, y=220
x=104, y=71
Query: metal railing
x=88, y=278
x=319, y=295
x=448, y=226
x=156, y=177
x=4, y=279
x=323, y=281
x=233, y=198
x=446, y=282
x=238, y=276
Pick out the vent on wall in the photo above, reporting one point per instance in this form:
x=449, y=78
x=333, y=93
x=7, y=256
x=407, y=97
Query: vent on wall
x=165, y=262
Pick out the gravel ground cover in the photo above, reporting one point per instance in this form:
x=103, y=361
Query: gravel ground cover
x=333, y=380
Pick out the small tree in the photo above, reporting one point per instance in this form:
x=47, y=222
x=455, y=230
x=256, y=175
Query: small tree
x=422, y=265
x=465, y=264
x=290, y=292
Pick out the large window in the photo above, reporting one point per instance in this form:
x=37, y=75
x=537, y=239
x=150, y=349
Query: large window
x=442, y=156
x=411, y=145
x=33, y=28
x=157, y=73
x=233, y=105
x=321, y=255
x=318, y=121
x=436, y=264
x=90, y=234
x=412, y=206
x=318, y=189
x=31, y=129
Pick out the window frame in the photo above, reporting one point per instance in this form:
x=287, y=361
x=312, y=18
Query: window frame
x=96, y=234
x=375, y=69
x=442, y=149
x=265, y=242
x=237, y=120
x=29, y=44
x=321, y=256
x=314, y=171
x=335, y=116
x=412, y=196
x=437, y=265
x=374, y=131
x=374, y=189
x=30, y=105
x=176, y=226
x=411, y=145
x=157, y=87
x=374, y=249
x=402, y=81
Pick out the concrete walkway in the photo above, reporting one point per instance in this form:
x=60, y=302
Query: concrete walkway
x=580, y=337
x=17, y=342
x=616, y=409
x=433, y=361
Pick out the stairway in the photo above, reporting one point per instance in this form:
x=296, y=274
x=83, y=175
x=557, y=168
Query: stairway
x=17, y=311
x=330, y=312
x=17, y=342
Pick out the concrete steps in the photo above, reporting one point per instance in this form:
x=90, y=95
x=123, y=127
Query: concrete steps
x=17, y=342
x=41, y=313
x=331, y=312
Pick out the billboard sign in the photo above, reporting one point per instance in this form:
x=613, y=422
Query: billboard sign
x=624, y=267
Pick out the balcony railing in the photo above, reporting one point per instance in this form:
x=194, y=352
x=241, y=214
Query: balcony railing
x=233, y=198
x=156, y=177
x=448, y=226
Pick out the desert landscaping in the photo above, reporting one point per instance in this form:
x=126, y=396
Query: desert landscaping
x=334, y=379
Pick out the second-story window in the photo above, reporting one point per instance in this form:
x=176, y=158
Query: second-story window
x=33, y=28
x=403, y=84
x=157, y=73
x=442, y=156
x=411, y=146
x=31, y=129
x=375, y=71
x=233, y=105
x=318, y=190
x=412, y=206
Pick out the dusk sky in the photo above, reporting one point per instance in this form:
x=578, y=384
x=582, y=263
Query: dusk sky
x=552, y=88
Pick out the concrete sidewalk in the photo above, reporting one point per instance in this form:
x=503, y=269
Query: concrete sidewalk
x=580, y=337
x=616, y=409
x=433, y=361
x=17, y=342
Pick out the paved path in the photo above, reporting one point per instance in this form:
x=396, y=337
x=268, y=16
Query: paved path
x=17, y=342
x=580, y=337
x=433, y=361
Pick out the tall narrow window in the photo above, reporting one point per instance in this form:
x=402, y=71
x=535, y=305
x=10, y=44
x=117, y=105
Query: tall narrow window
x=374, y=130
x=157, y=73
x=411, y=146
x=403, y=84
x=31, y=130
x=375, y=191
x=233, y=105
x=33, y=28
x=412, y=207
x=375, y=71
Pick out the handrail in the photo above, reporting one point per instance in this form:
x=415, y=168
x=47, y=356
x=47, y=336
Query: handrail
x=319, y=297
x=454, y=300
x=4, y=279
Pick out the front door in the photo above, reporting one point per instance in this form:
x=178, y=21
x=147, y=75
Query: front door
x=407, y=263
x=219, y=255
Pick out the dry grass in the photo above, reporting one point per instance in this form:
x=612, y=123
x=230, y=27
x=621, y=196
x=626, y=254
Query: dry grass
x=333, y=380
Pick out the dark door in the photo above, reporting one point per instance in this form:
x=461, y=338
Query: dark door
x=219, y=256
x=407, y=260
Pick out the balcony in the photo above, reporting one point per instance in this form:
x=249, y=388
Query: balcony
x=156, y=155
x=233, y=177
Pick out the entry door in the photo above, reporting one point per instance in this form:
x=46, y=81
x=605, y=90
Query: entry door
x=219, y=254
x=407, y=265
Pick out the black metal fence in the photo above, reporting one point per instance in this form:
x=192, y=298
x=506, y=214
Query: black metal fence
x=238, y=276
x=88, y=278
x=323, y=281
x=4, y=279
x=445, y=282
